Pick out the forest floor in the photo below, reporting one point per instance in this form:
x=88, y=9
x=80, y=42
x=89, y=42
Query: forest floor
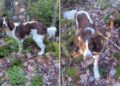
x=75, y=71
x=27, y=68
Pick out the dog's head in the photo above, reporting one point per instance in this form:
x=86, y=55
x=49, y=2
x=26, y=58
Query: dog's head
x=6, y=23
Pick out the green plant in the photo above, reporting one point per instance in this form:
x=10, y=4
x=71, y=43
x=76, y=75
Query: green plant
x=70, y=71
x=16, y=62
x=66, y=22
x=52, y=47
x=69, y=36
x=78, y=59
x=118, y=71
x=42, y=10
x=7, y=49
x=117, y=55
x=103, y=4
x=1, y=81
x=37, y=81
x=16, y=76
x=102, y=71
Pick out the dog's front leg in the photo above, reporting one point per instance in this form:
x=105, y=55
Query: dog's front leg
x=20, y=45
x=96, y=68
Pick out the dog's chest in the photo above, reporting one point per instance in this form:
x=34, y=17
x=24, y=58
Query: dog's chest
x=11, y=33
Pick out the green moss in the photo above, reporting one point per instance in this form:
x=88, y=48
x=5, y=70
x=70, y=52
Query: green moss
x=28, y=42
x=103, y=4
x=68, y=37
x=37, y=81
x=1, y=82
x=16, y=76
x=52, y=47
x=102, y=71
x=72, y=71
x=7, y=49
x=16, y=62
x=117, y=55
x=78, y=59
x=118, y=71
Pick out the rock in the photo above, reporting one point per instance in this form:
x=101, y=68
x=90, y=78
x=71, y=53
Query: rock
x=29, y=55
x=28, y=84
x=25, y=64
x=2, y=42
x=116, y=84
x=31, y=68
x=69, y=79
x=1, y=74
x=83, y=78
x=69, y=14
x=5, y=84
x=112, y=72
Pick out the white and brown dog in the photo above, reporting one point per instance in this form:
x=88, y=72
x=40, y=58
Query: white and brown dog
x=21, y=31
x=88, y=40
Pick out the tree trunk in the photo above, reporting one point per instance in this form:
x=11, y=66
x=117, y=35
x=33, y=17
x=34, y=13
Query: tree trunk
x=2, y=7
x=55, y=4
x=20, y=10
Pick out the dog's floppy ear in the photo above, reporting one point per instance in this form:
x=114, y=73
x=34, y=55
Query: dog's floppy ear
x=1, y=21
x=10, y=23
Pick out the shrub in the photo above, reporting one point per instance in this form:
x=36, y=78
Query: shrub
x=16, y=76
x=52, y=47
x=16, y=62
x=37, y=81
x=118, y=71
x=42, y=10
x=117, y=55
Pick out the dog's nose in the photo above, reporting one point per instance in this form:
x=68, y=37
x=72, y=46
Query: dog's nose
x=4, y=25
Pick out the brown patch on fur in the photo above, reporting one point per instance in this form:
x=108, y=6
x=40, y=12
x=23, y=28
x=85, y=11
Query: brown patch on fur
x=83, y=21
x=10, y=23
x=23, y=30
x=95, y=42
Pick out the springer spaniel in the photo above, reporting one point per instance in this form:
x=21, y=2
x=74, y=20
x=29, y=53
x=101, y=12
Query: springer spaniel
x=88, y=40
x=21, y=31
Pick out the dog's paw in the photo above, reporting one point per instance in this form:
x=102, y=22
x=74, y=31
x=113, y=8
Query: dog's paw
x=40, y=53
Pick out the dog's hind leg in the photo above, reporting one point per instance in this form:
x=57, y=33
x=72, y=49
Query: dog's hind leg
x=39, y=41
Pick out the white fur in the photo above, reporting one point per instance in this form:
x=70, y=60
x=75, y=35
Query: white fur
x=4, y=22
x=51, y=32
x=39, y=41
x=70, y=15
x=87, y=52
x=91, y=29
x=96, y=69
x=29, y=22
x=36, y=37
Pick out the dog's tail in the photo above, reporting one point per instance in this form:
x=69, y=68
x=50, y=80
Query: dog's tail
x=51, y=31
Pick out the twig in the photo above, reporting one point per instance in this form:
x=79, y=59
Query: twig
x=106, y=38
